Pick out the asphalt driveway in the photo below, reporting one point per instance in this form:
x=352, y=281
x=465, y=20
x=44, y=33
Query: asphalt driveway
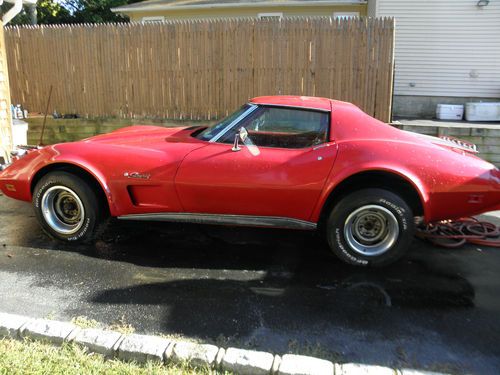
x=268, y=289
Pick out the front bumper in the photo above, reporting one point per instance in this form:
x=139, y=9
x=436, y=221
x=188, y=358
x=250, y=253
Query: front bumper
x=15, y=175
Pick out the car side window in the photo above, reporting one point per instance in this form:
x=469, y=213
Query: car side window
x=284, y=127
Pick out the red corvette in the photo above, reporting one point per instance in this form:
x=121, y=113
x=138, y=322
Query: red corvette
x=279, y=161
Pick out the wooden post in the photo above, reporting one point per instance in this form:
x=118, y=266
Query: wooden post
x=5, y=113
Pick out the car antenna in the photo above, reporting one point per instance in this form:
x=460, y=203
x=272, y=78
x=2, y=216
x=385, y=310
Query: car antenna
x=40, y=143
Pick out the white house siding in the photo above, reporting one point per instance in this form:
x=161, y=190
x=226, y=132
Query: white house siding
x=447, y=48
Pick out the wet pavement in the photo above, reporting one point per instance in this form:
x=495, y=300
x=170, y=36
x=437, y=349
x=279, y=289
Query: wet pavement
x=273, y=290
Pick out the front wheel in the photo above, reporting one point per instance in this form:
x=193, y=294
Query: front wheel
x=370, y=227
x=67, y=208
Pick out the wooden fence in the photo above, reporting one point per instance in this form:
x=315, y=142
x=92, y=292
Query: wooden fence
x=199, y=69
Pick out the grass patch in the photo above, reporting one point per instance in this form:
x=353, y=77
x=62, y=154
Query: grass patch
x=34, y=357
x=84, y=322
x=121, y=325
x=178, y=337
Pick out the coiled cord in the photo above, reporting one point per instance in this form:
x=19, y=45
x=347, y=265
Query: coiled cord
x=455, y=233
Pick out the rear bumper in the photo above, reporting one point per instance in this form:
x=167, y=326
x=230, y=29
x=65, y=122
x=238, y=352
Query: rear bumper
x=3, y=166
x=468, y=194
x=3, y=163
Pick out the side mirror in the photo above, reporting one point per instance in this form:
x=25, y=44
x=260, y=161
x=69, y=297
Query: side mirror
x=241, y=135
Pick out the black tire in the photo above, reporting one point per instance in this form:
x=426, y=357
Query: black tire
x=370, y=227
x=71, y=205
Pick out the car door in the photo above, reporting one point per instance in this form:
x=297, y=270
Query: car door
x=279, y=171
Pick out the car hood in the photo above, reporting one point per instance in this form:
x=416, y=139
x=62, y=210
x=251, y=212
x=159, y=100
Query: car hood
x=142, y=136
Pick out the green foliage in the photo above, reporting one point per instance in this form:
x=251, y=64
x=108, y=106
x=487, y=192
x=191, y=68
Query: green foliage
x=48, y=12
x=95, y=11
x=70, y=11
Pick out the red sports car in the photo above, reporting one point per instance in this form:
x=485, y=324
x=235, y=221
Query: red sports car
x=279, y=161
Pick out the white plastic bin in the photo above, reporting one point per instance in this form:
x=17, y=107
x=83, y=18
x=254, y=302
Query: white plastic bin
x=19, y=133
x=482, y=111
x=449, y=112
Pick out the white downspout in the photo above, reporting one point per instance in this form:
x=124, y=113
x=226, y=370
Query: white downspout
x=12, y=12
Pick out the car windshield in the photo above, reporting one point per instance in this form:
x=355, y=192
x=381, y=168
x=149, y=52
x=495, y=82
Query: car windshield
x=211, y=131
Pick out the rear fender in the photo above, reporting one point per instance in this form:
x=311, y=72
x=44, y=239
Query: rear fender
x=340, y=174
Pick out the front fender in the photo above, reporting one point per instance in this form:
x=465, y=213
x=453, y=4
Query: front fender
x=16, y=180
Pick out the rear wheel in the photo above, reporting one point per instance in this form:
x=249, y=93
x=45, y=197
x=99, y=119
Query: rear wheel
x=370, y=227
x=67, y=208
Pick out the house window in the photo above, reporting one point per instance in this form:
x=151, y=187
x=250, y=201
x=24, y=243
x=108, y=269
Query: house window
x=345, y=15
x=270, y=16
x=153, y=19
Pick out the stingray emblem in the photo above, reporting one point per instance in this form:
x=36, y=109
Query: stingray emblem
x=143, y=176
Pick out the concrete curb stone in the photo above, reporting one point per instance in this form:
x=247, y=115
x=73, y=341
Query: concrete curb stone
x=141, y=348
x=43, y=329
x=99, y=341
x=360, y=369
x=10, y=325
x=247, y=362
x=195, y=354
x=168, y=352
x=219, y=357
x=292, y=364
x=418, y=372
x=276, y=364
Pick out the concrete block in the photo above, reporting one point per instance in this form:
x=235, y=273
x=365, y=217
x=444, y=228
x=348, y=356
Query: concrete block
x=51, y=330
x=491, y=141
x=247, y=362
x=10, y=324
x=478, y=132
x=99, y=341
x=492, y=158
x=429, y=130
x=476, y=140
x=442, y=131
x=493, y=132
x=459, y=132
x=490, y=149
x=301, y=365
x=195, y=354
x=359, y=369
x=142, y=348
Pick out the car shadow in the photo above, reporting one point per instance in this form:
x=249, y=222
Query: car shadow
x=291, y=268
x=273, y=287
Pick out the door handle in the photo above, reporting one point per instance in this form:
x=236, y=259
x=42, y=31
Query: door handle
x=327, y=144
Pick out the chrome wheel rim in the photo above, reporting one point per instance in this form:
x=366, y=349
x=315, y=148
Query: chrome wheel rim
x=371, y=230
x=62, y=210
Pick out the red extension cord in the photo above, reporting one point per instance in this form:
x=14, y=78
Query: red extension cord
x=455, y=233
